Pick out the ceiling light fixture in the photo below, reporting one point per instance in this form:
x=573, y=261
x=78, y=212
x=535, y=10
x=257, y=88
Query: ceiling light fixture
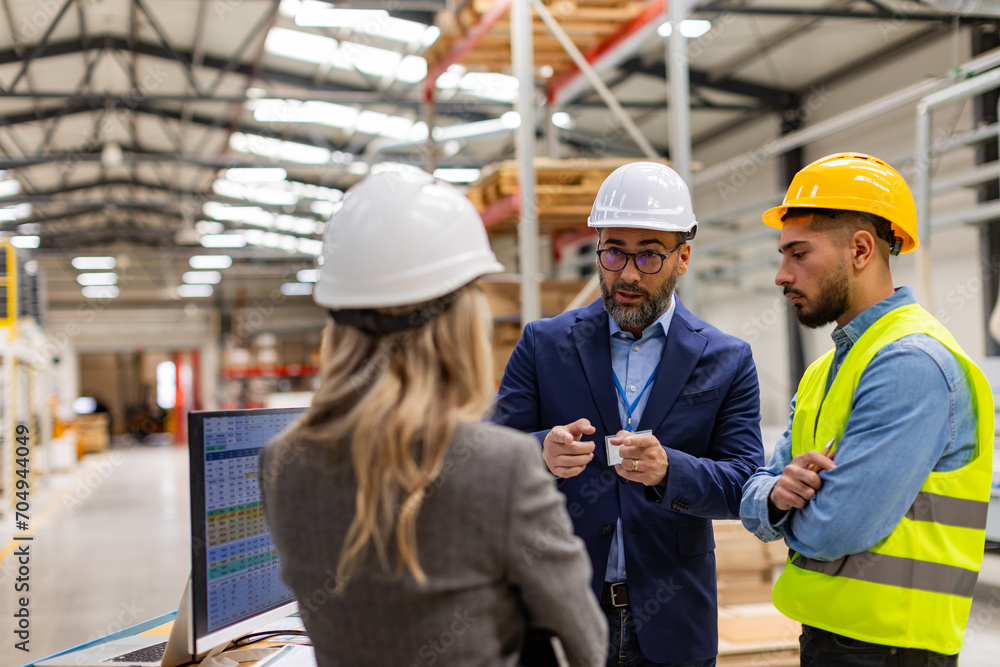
x=297, y=289
x=101, y=292
x=690, y=28
x=202, y=277
x=210, y=261
x=256, y=174
x=10, y=187
x=562, y=119
x=457, y=175
x=97, y=279
x=16, y=212
x=223, y=241
x=25, y=242
x=89, y=263
x=307, y=275
x=194, y=290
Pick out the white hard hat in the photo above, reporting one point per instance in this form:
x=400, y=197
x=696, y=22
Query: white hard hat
x=645, y=195
x=401, y=238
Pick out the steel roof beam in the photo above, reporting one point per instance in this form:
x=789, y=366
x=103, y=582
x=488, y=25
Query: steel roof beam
x=75, y=46
x=774, y=99
x=95, y=105
x=184, y=59
x=901, y=15
x=331, y=170
x=42, y=44
x=195, y=198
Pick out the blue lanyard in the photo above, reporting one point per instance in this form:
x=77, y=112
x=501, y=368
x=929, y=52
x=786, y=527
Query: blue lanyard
x=631, y=406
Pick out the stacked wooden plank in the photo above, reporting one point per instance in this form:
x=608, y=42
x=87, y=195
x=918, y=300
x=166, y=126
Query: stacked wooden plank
x=757, y=635
x=504, y=297
x=589, y=23
x=751, y=631
x=745, y=566
x=93, y=432
x=565, y=191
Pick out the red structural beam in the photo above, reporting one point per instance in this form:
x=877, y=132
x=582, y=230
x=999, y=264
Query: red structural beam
x=653, y=10
x=563, y=240
x=466, y=43
x=501, y=209
x=291, y=370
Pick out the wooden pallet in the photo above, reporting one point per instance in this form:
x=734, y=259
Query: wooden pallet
x=504, y=297
x=757, y=635
x=565, y=190
x=589, y=23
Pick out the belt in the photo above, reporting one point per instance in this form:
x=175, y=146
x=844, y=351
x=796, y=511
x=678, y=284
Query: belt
x=615, y=595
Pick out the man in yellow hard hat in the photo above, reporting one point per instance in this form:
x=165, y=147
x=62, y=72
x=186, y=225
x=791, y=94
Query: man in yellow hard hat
x=880, y=483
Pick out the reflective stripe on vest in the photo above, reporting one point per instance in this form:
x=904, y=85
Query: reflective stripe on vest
x=914, y=587
x=895, y=571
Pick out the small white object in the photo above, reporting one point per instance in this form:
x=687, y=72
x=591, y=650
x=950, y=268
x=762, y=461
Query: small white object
x=614, y=457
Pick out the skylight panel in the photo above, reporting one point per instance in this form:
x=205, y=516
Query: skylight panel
x=457, y=175
x=10, y=187
x=306, y=47
x=256, y=174
x=251, y=215
x=16, y=212
x=348, y=56
x=278, y=149
x=254, y=192
x=375, y=22
x=295, y=111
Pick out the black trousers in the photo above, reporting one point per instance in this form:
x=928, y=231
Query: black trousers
x=819, y=648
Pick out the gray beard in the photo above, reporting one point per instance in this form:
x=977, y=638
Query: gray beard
x=641, y=316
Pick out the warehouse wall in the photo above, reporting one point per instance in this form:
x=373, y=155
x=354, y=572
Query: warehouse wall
x=97, y=330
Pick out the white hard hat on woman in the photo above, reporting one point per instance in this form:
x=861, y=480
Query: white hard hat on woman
x=400, y=238
x=390, y=498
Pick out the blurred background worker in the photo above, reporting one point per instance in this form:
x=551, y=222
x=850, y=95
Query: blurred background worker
x=389, y=495
x=888, y=540
x=637, y=378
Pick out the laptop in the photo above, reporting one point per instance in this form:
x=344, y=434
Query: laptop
x=134, y=651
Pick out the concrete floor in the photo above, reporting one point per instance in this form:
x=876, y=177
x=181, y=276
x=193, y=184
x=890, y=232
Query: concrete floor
x=111, y=550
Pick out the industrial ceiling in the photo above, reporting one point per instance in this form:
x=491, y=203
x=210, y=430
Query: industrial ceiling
x=127, y=126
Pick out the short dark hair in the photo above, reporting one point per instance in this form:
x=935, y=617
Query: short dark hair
x=851, y=221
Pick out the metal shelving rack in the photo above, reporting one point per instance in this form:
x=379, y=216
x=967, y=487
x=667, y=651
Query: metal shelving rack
x=527, y=23
x=24, y=364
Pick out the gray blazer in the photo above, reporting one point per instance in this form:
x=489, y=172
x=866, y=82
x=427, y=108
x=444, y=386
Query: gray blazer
x=493, y=537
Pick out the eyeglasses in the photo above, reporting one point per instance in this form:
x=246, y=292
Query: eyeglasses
x=647, y=261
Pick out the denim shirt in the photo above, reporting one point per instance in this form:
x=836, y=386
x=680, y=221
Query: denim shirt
x=632, y=362
x=911, y=414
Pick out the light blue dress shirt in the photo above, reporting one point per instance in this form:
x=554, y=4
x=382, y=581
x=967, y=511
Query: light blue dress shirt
x=632, y=362
x=912, y=414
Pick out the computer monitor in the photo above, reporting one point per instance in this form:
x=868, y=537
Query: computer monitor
x=235, y=584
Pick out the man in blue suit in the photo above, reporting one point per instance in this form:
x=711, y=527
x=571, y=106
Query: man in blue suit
x=675, y=398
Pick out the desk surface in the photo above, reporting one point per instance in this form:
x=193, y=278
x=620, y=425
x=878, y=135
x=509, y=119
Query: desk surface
x=160, y=625
x=744, y=631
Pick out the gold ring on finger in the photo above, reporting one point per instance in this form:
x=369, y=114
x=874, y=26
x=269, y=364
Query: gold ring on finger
x=635, y=465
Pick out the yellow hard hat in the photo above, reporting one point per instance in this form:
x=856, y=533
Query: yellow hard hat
x=853, y=182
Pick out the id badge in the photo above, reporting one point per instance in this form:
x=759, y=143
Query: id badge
x=614, y=457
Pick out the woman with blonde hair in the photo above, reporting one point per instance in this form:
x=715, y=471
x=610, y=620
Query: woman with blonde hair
x=410, y=532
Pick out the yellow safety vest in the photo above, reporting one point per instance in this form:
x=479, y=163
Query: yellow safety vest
x=914, y=587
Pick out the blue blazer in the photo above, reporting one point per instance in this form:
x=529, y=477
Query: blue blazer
x=704, y=407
